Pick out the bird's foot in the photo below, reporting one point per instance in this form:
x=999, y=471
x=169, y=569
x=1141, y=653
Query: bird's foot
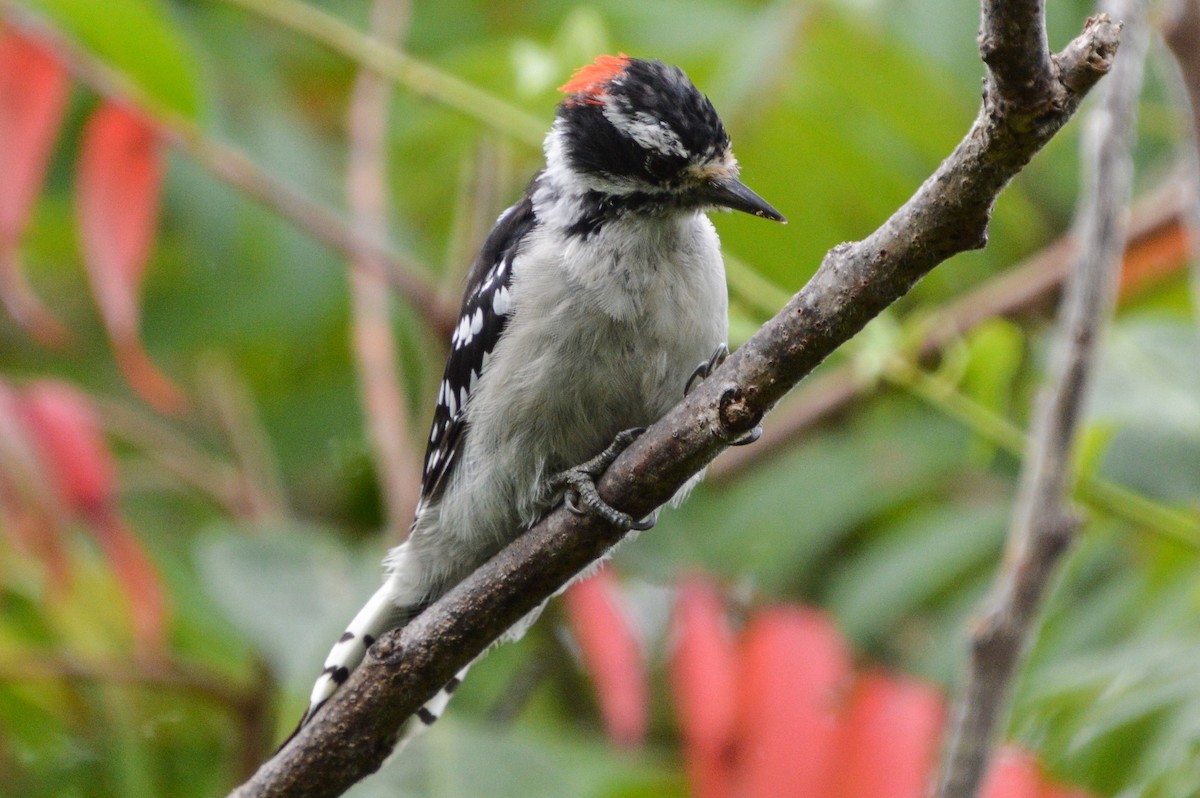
x=578, y=485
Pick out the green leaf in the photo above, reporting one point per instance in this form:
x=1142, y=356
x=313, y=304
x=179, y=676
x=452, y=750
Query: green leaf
x=457, y=759
x=913, y=562
x=291, y=592
x=136, y=37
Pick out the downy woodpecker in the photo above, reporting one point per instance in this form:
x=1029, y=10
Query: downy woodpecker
x=592, y=301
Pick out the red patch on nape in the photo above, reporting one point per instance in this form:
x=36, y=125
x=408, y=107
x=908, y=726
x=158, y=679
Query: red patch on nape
x=592, y=79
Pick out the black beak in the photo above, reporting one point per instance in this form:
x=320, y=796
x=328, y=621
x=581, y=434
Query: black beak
x=732, y=193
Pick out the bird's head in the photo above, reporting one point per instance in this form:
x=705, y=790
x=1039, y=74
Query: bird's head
x=634, y=127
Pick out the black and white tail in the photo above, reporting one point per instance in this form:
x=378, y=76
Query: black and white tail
x=379, y=615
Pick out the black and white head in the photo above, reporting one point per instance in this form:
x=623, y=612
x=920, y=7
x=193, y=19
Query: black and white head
x=640, y=130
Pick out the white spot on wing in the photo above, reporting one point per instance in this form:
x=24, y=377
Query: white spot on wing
x=477, y=321
x=501, y=301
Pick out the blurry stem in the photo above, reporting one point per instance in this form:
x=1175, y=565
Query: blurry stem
x=1181, y=32
x=397, y=468
x=175, y=454
x=238, y=417
x=211, y=685
x=421, y=78
x=24, y=305
x=1110, y=497
x=1044, y=523
x=253, y=703
x=235, y=168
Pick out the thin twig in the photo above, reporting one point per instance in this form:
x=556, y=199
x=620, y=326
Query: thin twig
x=1181, y=31
x=949, y=214
x=235, y=168
x=397, y=468
x=1043, y=521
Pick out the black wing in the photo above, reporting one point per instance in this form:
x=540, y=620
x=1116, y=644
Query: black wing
x=487, y=302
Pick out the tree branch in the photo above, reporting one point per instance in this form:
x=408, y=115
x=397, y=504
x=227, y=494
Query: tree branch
x=948, y=214
x=1043, y=524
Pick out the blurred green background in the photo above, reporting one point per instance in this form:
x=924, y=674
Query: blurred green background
x=891, y=514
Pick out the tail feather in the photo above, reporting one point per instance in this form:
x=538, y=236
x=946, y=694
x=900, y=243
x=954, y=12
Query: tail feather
x=376, y=617
x=379, y=615
x=432, y=709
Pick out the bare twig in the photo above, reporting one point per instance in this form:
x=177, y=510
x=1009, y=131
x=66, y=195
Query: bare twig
x=1181, y=31
x=236, y=169
x=948, y=214
x=1043, y=523
x=396, y=466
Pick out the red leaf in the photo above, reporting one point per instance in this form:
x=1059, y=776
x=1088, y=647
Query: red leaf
x=75, y=454
x=71, y=446
x=795, y=667
x=1013, y=774
x=33, y=96
x=119, y=186
x=139, y=578
x=889, y=738
x=703, y=674
x=28, y=507
x=612, y=656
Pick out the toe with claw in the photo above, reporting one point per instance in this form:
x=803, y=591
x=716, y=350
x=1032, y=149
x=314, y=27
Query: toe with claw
x=707, y=367
x=578, y=485
x=749, y=438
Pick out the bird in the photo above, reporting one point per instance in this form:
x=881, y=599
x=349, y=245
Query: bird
x=593, y=305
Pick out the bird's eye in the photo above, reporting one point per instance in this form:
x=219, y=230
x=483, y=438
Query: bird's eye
x=658, y=167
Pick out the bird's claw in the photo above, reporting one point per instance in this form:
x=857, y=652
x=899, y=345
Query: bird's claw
x=749, y=438
x=578, y=485
x=707, y=367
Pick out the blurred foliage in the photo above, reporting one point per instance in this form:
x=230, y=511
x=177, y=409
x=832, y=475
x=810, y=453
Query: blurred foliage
x=892, y=516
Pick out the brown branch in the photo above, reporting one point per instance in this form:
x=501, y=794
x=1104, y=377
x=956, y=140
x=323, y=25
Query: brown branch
x=1181, y=31
x=1043, y=523
x=1158, y=245
x=235, y=168
x=397, y=468
x=948, y=214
